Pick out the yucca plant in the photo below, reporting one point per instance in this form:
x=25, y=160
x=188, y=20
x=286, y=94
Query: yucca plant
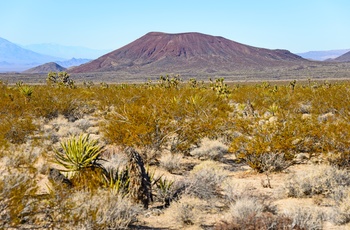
x=164, y=190
x=26, y=91
x=79, y=153
x=118, y=181
x=79, y=157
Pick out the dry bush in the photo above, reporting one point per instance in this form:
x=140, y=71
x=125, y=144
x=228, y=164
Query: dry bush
x=104, y=211
x=264, y=221
x=85, y=210
x=21, y=157
x=170, y=162
x=205, y=180
x=253, y=213
x=341, y=209
x=306, y=218
x=114, y=159
x=17, y=204
x=323, y=179
x=183, y=213
x=83, y=124
x=268, y=162
x=17, y=130
x=233, y=191
x=266, y=148
x=210, y=149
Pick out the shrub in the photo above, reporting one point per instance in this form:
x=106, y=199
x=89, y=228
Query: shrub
x=322, y=179
x=104, y=211
x=267, y=162
x=306, y=218
x=97, y=210
x=273, y=146
x=210, y=149
x=180, y=119
x=252, y=213
x=183, y=213
x=17, y=130
x=205, y=180
x=341, y=209
x=16, y=198
x=170, y=162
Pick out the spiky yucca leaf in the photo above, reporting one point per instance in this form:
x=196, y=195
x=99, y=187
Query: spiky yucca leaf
x=79, y=152
x=117, y=180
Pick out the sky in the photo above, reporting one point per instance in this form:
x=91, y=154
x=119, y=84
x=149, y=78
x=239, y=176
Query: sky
x=295, y=25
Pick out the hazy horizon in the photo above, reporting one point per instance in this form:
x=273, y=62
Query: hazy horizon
x=298, y=26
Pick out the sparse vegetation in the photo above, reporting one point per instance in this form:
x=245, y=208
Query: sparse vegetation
x=205, y=139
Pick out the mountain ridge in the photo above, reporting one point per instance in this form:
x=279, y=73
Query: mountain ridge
x=45, y=68
x=67, y=52
x=16, y=58
x=323, y=55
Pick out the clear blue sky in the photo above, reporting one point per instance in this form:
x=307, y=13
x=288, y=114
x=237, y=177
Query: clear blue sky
x=296, y=25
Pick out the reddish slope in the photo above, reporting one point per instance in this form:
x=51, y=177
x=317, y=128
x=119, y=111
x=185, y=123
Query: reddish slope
x=159, y=52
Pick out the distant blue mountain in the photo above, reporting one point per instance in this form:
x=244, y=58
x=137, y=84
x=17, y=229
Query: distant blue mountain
x=323, y=55
x=66, y=52
x=16, y=58
x=73, y=62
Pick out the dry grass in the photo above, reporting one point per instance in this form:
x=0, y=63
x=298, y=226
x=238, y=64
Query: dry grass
x=170, y=162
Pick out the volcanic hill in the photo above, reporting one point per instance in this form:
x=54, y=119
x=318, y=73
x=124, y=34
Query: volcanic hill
x=45, y=68
x=157, y=52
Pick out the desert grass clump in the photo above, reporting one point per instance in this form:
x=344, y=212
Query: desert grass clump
x=170, y=162
x=341, y=208
x=306, y=218
x=103, y=210
x=22, y=156
x=210, y=149
x=100, y=209
x=322, y=180
x=233, y=191
x=183, y=213
x=253, y=213
x=205, y=180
